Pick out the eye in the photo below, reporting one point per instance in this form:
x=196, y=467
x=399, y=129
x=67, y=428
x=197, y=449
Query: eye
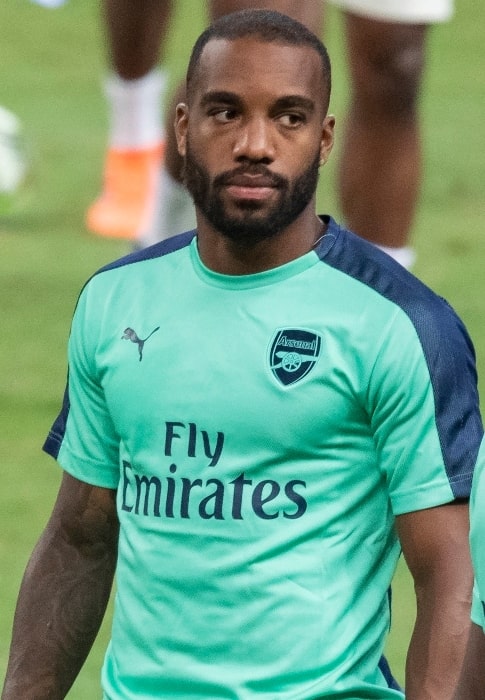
x=224, y=115
x=291, y=120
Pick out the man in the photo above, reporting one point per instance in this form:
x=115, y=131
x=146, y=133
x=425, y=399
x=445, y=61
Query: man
x=472, y=681
x=259, y=415
x=379, y=191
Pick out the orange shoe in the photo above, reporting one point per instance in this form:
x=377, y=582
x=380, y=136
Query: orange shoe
x=128, y=199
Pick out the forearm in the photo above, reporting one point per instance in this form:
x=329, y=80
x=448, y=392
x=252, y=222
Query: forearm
x=435, y=545
x=61, y=604
x=437, y=647
x=471, y=685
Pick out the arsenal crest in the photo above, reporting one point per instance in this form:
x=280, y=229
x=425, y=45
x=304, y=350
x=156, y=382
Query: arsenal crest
x=293, y=354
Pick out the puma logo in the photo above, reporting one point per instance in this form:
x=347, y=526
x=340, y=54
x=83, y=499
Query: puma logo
x=130, y=334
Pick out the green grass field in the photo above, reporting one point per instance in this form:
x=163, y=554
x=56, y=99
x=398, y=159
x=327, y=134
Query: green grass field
x=51, y=63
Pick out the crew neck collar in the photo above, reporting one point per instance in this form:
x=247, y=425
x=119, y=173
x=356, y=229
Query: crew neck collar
x=267, y=277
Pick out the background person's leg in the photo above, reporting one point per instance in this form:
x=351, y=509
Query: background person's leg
x=136, y=32
x=380, y=166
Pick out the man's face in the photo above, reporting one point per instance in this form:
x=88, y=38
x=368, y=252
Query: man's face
x=254, y=135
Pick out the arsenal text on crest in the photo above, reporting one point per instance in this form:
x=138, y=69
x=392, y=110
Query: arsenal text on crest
x=293, y=353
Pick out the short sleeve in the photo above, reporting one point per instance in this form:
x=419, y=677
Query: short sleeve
x=477, y=538
x=83, y=438
x=427, y=428
x=477, y=612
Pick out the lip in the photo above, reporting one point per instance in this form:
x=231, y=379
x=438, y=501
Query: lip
x=254, y=187
x=246, y=180
x=254, y=192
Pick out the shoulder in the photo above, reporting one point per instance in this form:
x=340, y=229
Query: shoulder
x=159, y=250
x=135, y=271
x=431, y=316
x=135, y=276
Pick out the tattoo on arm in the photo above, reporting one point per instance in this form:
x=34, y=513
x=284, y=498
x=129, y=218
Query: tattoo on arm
x=63, y=597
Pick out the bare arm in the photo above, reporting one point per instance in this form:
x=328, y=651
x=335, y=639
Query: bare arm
x=472, y=682
x=435, y=546
x=64, y=593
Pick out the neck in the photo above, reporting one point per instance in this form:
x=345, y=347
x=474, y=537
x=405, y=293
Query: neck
x=229, y=257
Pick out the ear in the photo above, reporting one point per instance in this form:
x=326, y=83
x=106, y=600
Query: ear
x=327, y=138
x=181, y=125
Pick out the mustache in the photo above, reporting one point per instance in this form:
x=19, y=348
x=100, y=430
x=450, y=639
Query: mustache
x=257, y=170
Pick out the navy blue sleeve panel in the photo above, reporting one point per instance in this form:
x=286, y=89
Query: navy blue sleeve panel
x=169, y=245
x=387, y=673
x=56, y=434
x=53, y=442
x=447, y=347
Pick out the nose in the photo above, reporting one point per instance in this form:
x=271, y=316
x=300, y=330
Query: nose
x=255, y=141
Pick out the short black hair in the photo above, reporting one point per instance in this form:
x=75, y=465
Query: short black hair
x=268, y=25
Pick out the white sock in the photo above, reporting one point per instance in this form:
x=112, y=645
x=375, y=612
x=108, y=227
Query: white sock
x=175, y=211
x=405, y=255
x=136, y=109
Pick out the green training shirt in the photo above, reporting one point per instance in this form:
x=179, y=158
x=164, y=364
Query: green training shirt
x=262, y=432
x=477, y=539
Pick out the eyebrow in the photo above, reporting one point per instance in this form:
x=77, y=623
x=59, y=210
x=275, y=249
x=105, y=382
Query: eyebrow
x=221, y=96
x=231, y=98
x=292, y=101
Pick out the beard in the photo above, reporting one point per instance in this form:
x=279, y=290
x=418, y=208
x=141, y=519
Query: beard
x=253, y=222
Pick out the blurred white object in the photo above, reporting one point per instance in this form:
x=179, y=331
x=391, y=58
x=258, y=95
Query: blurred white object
x=13, y=158
x=49, y=3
